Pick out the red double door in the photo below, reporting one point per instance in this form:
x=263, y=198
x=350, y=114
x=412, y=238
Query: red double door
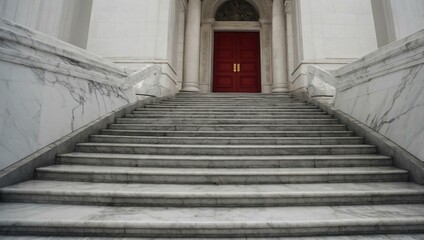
x=236, y=62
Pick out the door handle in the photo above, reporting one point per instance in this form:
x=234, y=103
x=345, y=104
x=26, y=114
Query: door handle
x=234, y=67
x=238, y=67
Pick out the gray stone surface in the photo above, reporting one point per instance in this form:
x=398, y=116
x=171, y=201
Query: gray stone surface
x=186, y=195
x=356, y=237
x=224, y=222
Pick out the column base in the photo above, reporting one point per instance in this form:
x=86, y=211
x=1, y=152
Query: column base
x=283, y=88
x=190, y=87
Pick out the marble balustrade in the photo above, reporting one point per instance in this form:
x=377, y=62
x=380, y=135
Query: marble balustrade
x=385, y=91
x=321, y=83
x=49, y=88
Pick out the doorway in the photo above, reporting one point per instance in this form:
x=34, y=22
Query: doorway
x=237, y=62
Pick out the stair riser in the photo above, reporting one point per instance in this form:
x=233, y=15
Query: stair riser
x=230, y=134
x=271, y=200
x=226, y=121
x=233, y=103
x=232, y=97
x=198, y=141
x=229, y=127
x=198, y=117
x=229, y=111
x=218, y=179
x=225, y=163
x=191, y=231
x=228, y=107
x=232, y=114
x=226, y=151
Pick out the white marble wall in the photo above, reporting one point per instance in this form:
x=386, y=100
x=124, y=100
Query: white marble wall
x=67, y=20
x=137, y=33
x=48, y=89
x=385, y=90
x=328, y=33
x=337, y=28
x=396, y=19
x=408, y=16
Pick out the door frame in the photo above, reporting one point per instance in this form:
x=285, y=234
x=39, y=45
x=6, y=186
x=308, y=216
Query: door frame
x=208, y=30
x=208, y=25
x=259, y=82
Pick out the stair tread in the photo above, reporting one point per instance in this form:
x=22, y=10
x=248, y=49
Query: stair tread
x=222, y=171
x=236, y=119
x=223, y=146
x=222, y=158
x=187, y=190
x=344, y=237
x=226, y=138
x=14, y=214
x=228, y=125
x=265, y=132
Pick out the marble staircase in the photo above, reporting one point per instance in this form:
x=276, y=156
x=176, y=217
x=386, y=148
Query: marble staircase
x=217, y=166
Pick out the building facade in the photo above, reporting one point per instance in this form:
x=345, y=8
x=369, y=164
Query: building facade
x=179, y=35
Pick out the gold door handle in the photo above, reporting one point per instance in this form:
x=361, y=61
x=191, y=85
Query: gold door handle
x=238, y=67
x=234, y=67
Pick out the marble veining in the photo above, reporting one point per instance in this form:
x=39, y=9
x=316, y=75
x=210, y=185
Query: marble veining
x=31, y=39
x=49, y=89
x=198, y=217
x=384, y=90
x=392, y=105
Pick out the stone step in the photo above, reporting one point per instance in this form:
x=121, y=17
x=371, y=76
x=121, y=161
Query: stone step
x=230, y=110
x=216, y=116
x=226, y=150
x=175, y=195
x=226, y=140
x=303, y=133
x=235, y=98
x=344, y=237
x=111, y=221
x=219, y=175
x=230, y=96
x=226, y=104
x=224, y=121
x=232, y=114
x=181, y=161
x=230, y=127
x=230, y=107
x=225, y=101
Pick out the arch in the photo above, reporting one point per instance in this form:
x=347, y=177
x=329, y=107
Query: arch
x=236, y=10
x=263, y=7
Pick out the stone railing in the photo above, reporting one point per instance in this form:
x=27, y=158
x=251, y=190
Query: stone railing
x=49, y=88
x=321, y=83
x=145, y=81
x=384, y=90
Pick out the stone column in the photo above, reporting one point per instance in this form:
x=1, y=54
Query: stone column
x=279, y=64
x=192, y=47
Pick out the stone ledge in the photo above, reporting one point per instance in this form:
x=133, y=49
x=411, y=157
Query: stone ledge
x=24, y=169
x=29, y=38
x=401, y=158
x=402, y=54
